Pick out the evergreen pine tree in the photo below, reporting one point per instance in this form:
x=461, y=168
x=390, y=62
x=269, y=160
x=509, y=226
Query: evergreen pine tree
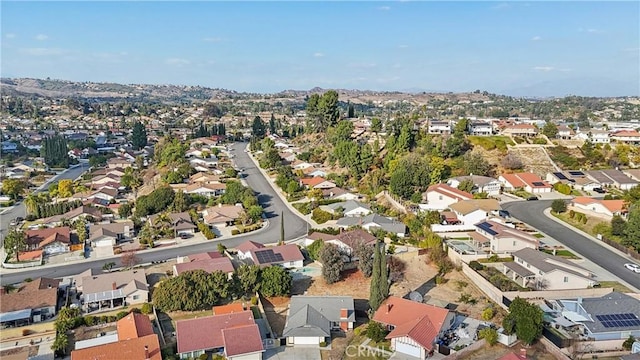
x=375, y=296
x=281, y=228
x=384, y=274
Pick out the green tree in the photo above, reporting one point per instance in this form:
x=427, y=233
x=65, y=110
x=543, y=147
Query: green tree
x=632, y=231
x=558, y=206
x=124, y=211
x=15, y=242
x=272, y=125
x=314, y=249
x=375, y=290
x=364, y=253
x=276, y=281
x=376, y=331
x=65, y=188
x=525, y=319
x=618, y=226
x=81, y=230
x=258, y=128
x=249, y=278
x=475, y=163
x=281, y=228
x=180, y=202
x=490, y=335
x=628, y=343
x=332, y=263
x=466, y=185
x=550, y=130
x=138, y=136
x=13, y=187
x=376, y=125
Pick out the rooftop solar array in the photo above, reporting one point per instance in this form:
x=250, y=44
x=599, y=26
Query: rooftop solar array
x=538, y=183
x=619, y=320
x=576, y=173
x=560, y=176
x=487, y=227
x=268, y=256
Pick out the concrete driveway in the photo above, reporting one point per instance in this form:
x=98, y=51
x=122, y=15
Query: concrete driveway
x=292, y=353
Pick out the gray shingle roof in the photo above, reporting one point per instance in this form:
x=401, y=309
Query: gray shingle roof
x=548, y=263
x=613, y=303
x=307, y=322
x=386, y=224
x=348, y=205
x=309, y=314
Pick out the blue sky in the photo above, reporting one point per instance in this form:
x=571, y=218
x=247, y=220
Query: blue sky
x=519, y=48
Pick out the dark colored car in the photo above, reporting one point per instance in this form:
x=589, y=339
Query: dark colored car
x=504, y=213
x=599, y=190
x=531, y=198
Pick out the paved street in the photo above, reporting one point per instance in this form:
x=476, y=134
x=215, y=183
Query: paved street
x=532, y=213
x=294, y=228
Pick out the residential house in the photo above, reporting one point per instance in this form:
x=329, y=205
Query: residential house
x=529, y=182
x=575, y=178
x=317, y=182
x=208, y=261
x=234, y=335
x=612, y=177
x=597, y=136
x=110, y=234
x=565, y=132
x=301, y=165
x=441, y=196
x=180, y=222
x=348, y=208
x=135, y=339
x=244, y=249
x=51, y=240
x=606, y=209
x=222, y=215
x=311, y=319
x=207, y=163
x=313, y=172
x=31, y=302
x=9, y=147
x=481, y=184
x=520, y=130
x=287, y=156
x=339, y=194
x=287, y=256
x=204, y=178
x=414, y=327
x=479, y=128
x=626, y=136
x=471, y=212
x=89, y=213
x=115, y=289
x=374, y=221
x=632, y=173
x=118, y=163
x=614, y=316
x=541, y=271
x=439, y=127
x=503, y=239
x=346, y=241
x=205, y=189
x=104, y=193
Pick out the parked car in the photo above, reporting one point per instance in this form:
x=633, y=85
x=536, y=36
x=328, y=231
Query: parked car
x=633, y=267
x=19, y=219
x=531, y=198
x=599, y=190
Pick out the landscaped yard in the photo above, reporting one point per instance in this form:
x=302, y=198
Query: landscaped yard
x=562, y=253
x=587, y=227
x=536, y=351
x=491, y=142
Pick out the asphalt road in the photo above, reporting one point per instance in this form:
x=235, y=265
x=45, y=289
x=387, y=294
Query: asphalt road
x=19, y=210
x=532, y=213
x=294, y=228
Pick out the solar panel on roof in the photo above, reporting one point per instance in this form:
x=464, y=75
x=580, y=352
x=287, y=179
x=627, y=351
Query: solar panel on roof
x=487, y=227
x=268, y=256
x=560, y=176
x=619, y=320
x=538, y=183
x=576, y=173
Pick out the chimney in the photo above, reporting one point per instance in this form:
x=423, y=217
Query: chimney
x=146, y=353
x=344, y=313
x=389, y=306
x=523, y=353
x=220, y=205
x=113, y=286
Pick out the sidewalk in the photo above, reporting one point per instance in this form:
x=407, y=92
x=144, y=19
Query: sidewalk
x=277, y=190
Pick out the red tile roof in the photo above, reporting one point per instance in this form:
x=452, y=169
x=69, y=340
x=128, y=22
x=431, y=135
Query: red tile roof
x=249, y=245
x=42, y=237
x=206, y=332
x=127, y=349
x=228, y=309
x=205, y=256
x=450, y=191
x=523, y=179
x=419, y=321
x=626, y=133
x=611, y=205
x=512, y=356
x=223, y=264
x=242, y=340
x=134, y=326
x=311, y=182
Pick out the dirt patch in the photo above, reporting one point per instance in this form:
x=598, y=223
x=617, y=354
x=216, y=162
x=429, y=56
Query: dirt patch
x=536, y=351
x=29, y=351
x=158, y=272
x=339, y=345
x=534, y=160
x=275, y=309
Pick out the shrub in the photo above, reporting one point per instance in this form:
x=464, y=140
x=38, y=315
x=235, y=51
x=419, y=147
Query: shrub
x=254, y=300
x=467, y=299
x=487, y=314
x=461, y=284
x=628, y=343
x=235, y=232
x=494, y=258
x=320, y=216
x=476, y=265
x=90, y=320
x=558, y=206
x=376, y=331
x=204, y=356
x=147, y=308
x=26, y=332
x=490, y=335
x=440, y=280
x=572, y=214
x=357, y=331
x=323, y=344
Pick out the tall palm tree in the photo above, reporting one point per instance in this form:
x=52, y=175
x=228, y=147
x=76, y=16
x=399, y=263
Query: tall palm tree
x=31, y=202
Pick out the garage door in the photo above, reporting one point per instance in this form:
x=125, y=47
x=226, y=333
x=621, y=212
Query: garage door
x=300, y=340
x=408, y=349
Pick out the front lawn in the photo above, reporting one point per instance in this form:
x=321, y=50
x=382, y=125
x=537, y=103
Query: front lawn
x=615, y=285
x=562, y=253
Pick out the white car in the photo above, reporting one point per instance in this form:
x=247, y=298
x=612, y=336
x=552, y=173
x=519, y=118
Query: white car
x=633, y=267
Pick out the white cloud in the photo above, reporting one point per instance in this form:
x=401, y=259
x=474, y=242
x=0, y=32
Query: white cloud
x=544, y=68
x=591, y=30
x=177, y=62
x=41, y=37
x=384, y=8
x=536, y=38
x=318, y=54
x=214, y=39
x=42, y=51
x=10, y=35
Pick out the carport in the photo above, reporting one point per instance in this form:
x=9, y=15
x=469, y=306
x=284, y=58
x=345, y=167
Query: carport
x=15, y=318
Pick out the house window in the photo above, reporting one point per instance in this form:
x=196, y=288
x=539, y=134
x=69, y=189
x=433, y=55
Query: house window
x=440, y=197
x=290, y=263
x=514, y=243
x=566, y=279
x=539, y=272
x=136, y=297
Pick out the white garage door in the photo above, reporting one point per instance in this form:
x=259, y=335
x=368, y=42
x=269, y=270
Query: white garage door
x=300, y=340
x=408, y=349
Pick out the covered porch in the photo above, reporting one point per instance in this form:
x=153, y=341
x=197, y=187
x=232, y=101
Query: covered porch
x=105, y=299
x=518, y=273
